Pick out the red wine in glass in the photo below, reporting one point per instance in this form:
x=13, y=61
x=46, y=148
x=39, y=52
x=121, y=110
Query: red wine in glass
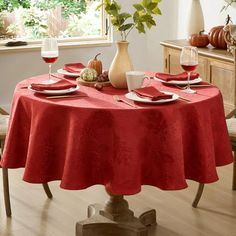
x=189, y=62
x=50, y=59
x=189, y=67
x=49, y=53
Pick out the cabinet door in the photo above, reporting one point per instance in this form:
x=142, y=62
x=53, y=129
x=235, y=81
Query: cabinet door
x=202, y=68
x=222, y=75
x=173, y=65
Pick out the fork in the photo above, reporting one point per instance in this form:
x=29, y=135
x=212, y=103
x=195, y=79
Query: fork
x=118, y=99
x=196, y=92
x=193, y=86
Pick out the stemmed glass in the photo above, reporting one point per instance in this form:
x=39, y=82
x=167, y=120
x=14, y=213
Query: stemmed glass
x=189, y=62
x=49, y=53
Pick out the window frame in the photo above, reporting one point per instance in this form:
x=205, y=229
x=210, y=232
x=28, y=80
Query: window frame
x=106, y=39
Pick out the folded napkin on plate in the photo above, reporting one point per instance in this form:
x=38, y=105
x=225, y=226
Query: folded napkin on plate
x=59, y=85
x=74, y=67
x=152, y=93
x=181, y=77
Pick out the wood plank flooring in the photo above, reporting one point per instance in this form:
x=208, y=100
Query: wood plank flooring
x=35, y=215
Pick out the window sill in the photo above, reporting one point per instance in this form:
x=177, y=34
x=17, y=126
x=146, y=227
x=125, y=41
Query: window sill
x=64, y=45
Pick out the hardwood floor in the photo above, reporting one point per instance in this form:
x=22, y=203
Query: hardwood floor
x=35, y=215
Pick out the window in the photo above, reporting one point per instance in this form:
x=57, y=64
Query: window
x=68, y=20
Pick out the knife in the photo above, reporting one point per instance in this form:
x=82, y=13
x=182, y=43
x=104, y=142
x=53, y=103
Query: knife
x=66, y=96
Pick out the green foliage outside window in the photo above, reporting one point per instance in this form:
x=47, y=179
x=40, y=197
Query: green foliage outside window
x=34, y=15
x=10, y=5
x=70, y=7
x=36, y=24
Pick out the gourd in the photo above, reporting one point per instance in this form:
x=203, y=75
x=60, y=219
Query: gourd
x=199, y=40
x=216, y=37
x=88, y=74
x=95, y=64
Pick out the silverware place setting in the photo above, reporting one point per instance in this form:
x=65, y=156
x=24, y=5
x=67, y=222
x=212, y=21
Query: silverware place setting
x=67, y=96
x=194, y=86
x=118, y=99
x=184, y=99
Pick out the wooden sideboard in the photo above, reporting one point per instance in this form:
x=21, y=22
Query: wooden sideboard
x=216, y=66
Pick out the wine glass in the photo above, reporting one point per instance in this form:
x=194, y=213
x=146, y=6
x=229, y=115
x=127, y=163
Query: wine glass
x=49, y=53
x=189, y=62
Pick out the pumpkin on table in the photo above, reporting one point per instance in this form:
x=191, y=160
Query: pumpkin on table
x=95, y=64
x=199, y=40
x=216, y=37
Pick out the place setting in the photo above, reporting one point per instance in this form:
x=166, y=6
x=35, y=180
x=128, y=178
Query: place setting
x=57, y=89
x=180, y=79
x=180, y=82
x=49, y=86
x=188, y=80
x=141, y=91
x=151, y=95
x=71, y=69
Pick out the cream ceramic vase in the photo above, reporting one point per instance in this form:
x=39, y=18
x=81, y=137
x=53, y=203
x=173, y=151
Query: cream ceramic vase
x=195, y=22
x=120, y=64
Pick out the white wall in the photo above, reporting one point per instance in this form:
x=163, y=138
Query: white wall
x=211, y=11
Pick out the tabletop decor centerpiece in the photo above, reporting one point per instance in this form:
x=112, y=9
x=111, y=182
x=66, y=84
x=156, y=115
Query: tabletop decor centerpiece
x=124, y=23
x=93, y=74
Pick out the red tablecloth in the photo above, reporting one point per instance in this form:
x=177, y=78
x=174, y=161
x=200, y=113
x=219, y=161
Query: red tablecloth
x=95, y=140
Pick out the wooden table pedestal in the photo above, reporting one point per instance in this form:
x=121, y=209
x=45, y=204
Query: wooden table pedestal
x=115, y=219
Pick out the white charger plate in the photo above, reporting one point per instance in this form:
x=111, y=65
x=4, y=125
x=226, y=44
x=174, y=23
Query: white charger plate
x=65, y=72
x=136, y=98
x=178, y=82
x=55, y=92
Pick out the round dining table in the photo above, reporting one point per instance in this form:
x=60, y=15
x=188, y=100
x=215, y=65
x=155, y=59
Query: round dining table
x=94, y=139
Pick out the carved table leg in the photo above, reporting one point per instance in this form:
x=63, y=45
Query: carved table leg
x=115, y=219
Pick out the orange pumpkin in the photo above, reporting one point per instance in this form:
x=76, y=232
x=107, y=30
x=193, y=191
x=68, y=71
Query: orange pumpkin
x=95, y=64
x=199, y=40
x=216, y=37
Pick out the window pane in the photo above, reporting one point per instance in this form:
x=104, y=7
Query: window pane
x=64, y=19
